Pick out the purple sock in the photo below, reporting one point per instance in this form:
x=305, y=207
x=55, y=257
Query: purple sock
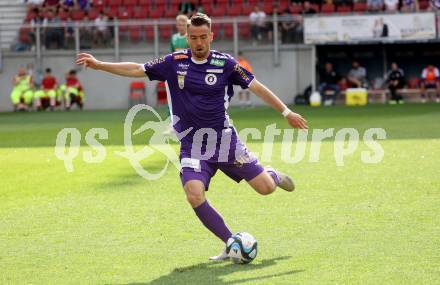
x=212, y=220
x=273, y=173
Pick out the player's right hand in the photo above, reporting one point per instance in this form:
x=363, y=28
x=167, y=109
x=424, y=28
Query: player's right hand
x=87, y=60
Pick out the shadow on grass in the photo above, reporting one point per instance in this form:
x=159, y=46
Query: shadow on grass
x=212, y=272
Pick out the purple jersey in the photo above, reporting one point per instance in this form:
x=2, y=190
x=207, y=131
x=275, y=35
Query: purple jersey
x=199, y=93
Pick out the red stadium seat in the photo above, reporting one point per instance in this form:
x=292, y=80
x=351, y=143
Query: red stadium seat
x=115, y=3
x=244, y=30
x=134, y=33
x=343, y=9
x=97, y=4
x=125, y=14
x=234, y=11
x=112, y=12
x=93, y=13
x=413, y=83
x=219, y=11
x=253, y=3
x=63, y=15
x=137, y=92
x=359, y=7
x=141, y=12
x=162, y=97
x=149, y=32
x=165, y=31
x=161, y=2
x=247, y=10
x=424, y=5
x=206, y=2
x=77, y=15
x=156, y=13
x=131, y=3
x=217, y=30
x=228, y=30
x=284, y=4
x=328, y=8
x=268, y=8
x=171, y=12
x=147, y=3
x=295, y=9
x=208, y=10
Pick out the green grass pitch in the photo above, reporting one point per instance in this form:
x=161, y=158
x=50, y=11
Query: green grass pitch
x=103, y=224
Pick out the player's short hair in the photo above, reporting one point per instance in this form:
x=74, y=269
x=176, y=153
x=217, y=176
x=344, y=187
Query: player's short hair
x=199, y=19
x=182, y=17
x=72, y=72
x=48, y=70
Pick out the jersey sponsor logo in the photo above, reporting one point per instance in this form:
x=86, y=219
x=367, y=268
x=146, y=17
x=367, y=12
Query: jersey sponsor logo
x=214, y=70
x=155, y=61
x=210, y=79
x=240, y=71
x=181, y=81
x=181, y=72
x=183, y=66
x=180, y=56
x=219, y=56
x=190, y=163
x=217, y=62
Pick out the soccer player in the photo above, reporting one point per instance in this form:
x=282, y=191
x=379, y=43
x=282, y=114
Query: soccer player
x=430, y=80
x=200, y=85
x=72, y=90
x=48, y=93
x=22, y=93
x=395, y=81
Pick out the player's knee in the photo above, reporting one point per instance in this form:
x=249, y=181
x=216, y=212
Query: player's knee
x=266, y=188
x=194, y=195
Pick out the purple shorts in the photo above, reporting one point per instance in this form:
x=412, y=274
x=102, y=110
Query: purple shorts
x=204, y=170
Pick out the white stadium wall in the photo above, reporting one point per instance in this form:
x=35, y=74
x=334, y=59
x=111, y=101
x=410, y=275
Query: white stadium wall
x=105, y=91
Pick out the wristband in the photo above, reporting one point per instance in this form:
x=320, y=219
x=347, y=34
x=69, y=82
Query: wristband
x=286, y=112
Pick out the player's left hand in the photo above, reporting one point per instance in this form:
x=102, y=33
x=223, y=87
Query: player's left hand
x=297, y=121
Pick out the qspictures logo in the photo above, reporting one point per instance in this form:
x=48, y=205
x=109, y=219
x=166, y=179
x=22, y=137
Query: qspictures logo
x=209, y=144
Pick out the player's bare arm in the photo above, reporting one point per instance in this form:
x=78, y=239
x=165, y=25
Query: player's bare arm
x=295, y=120
x=128, y=69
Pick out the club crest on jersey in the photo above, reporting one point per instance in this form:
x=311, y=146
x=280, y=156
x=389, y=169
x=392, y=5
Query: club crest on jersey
x=217, y=62
x=210, y=79
x=181, y=81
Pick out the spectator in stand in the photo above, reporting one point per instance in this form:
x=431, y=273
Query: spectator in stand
x=86, y=33
x=82, y=4
x=357, y=76
x=101, y=33
x=375, y=5
x=51, y=3
x=243, y=94
x=410, y=6
x=395, y=80
x=269, y=26
x=34, y=3
x=258, y=22
x=391, y=5
x=69, y=31
x=186, y=8
x=288, y=27
x=53, y=34
x=344, y=2
x=178, y=40
x=47, y=95
x=308, y=9
x=329, y=79
x=430, y=80
x=68, y=5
